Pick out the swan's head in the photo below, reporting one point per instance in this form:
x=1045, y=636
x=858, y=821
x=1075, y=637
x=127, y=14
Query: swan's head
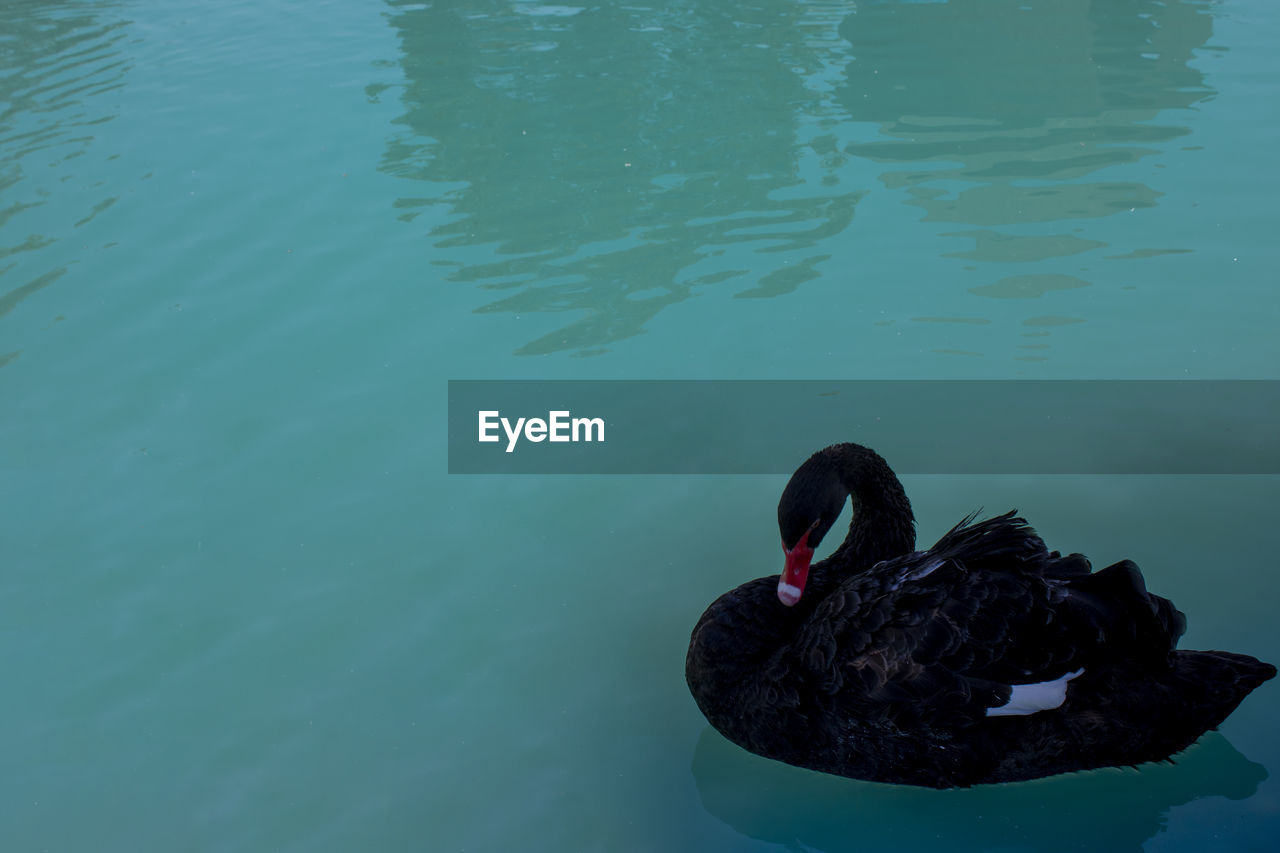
x=810, y=504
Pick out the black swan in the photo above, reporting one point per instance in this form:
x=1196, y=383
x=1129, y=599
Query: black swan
x=987, y=658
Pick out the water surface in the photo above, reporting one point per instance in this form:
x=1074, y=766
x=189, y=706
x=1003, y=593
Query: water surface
x=243, y=247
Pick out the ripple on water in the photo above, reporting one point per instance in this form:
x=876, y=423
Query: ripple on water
x=1028, y=286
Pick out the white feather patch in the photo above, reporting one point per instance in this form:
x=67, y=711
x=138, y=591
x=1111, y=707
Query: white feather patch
x=1030, y=698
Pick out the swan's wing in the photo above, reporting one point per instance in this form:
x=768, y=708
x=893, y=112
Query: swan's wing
x=947, y=635
x=985, y=623
x=921, y=655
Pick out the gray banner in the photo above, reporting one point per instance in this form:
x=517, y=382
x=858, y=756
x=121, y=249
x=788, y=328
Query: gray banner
x=920, y=427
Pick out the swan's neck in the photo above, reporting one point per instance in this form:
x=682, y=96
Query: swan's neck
x=883, y=525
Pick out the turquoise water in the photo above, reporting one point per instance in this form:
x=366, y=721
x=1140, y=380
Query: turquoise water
x=244, y=246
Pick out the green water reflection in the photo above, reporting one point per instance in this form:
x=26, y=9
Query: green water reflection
x=609, y=162
x=616, y=161
x=1006, y=109
x=57, y=61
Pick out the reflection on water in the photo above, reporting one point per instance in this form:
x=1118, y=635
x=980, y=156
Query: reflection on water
x=1005, y=109
x=615, y=159
x=1115, y=810
x=1011, y=248
x=57, y=61
x=606, y=162
x=1029, y=286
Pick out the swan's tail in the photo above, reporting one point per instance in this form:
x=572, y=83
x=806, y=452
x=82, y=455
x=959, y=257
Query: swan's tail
x=1213, y=683
x=1128, y=715
x=1202, y=690
x=1168, y=714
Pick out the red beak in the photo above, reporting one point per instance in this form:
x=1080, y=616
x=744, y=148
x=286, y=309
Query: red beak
x=795, y=571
